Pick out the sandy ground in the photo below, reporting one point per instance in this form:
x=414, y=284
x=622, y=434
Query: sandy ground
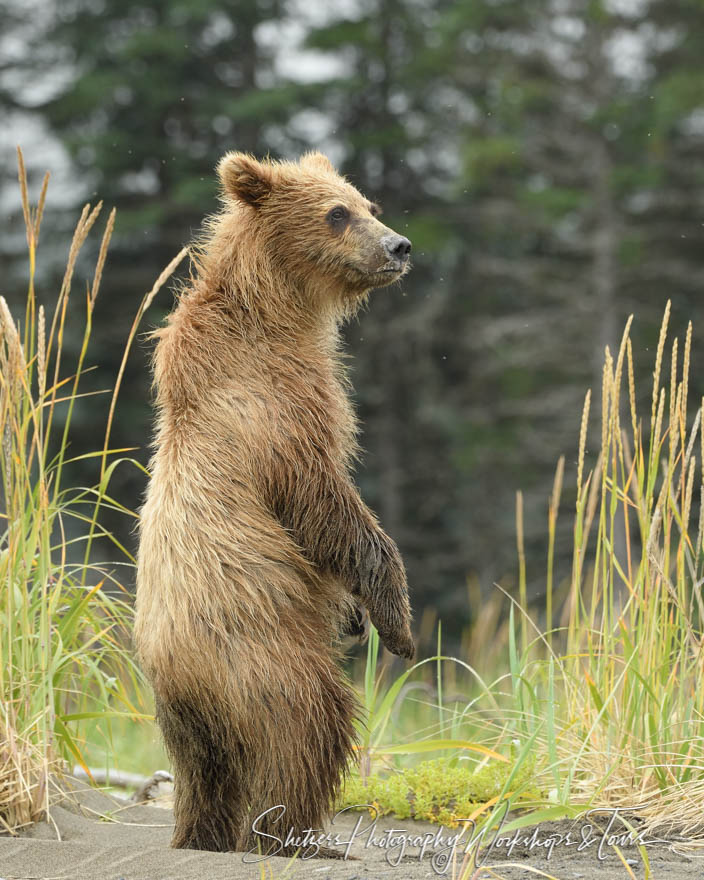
x=94, y=836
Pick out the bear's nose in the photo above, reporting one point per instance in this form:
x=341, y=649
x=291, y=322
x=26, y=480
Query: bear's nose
x=397, y=247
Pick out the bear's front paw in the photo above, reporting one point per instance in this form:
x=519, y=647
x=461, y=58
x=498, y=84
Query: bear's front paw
x=391, y=618
x=381, y=585
x=400, y=643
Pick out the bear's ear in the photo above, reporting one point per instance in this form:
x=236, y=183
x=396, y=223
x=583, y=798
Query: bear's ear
x=318, y=160
x=246, y=179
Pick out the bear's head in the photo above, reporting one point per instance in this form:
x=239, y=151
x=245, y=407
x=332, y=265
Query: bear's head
x=314, y=224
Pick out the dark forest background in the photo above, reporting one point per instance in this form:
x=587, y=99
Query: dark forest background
x=544, y=156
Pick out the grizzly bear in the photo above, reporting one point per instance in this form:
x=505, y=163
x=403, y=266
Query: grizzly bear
x=256, y=551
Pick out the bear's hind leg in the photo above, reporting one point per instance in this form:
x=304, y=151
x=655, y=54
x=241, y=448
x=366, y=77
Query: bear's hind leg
x=309, y=739
x=211, y=795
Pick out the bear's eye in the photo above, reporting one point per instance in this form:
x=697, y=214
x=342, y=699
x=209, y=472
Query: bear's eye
x=375, y=210
x=339, y=214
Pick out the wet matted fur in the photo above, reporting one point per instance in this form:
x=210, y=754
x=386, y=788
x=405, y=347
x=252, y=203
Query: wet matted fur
x=256, y=550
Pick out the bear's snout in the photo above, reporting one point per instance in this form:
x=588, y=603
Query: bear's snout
x=397, y=247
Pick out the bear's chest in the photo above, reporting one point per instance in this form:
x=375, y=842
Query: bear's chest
x=311, y=406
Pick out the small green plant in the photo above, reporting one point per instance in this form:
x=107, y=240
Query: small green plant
x=443, y=790
x=65, y=623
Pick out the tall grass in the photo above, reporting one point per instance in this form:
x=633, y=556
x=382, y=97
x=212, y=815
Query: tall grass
x=65, y=623
x=628, y=720
x=606, y=700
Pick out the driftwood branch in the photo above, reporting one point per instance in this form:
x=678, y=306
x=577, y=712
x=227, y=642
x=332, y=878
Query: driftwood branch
x=145, y=786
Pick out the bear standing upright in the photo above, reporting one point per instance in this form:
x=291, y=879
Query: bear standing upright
x=256, y=551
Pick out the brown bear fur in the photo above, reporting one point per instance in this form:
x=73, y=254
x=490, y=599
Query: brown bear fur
x=255, y=546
